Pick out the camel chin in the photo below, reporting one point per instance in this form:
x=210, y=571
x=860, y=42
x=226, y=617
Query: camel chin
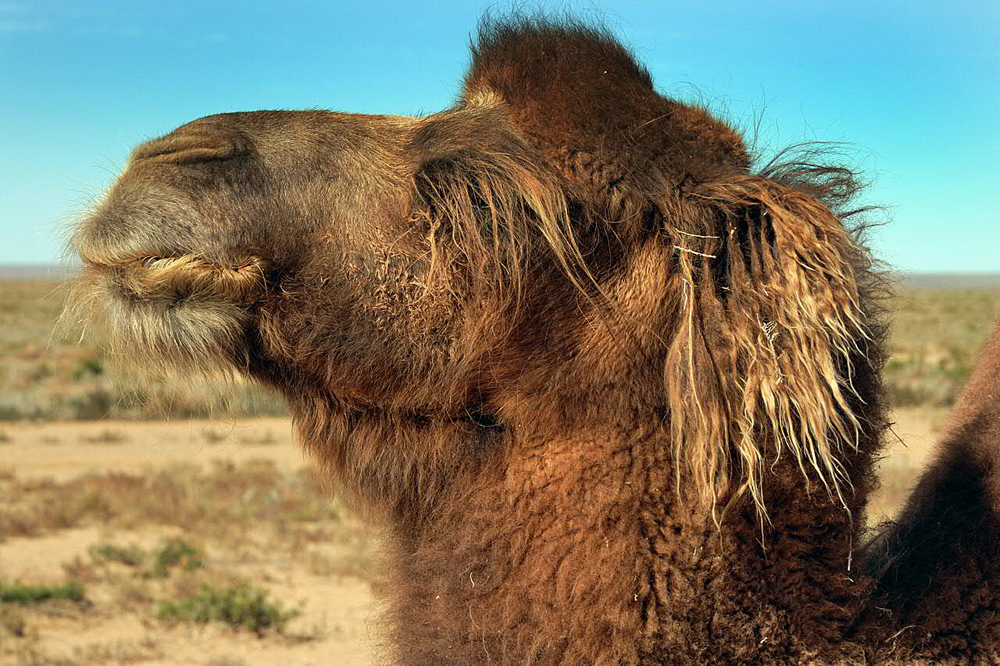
x=179, y=314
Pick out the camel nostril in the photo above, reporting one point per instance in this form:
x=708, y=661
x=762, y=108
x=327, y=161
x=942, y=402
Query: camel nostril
x=190, y=148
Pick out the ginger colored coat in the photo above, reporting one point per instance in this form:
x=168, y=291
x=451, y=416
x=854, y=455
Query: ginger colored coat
x=611, y=388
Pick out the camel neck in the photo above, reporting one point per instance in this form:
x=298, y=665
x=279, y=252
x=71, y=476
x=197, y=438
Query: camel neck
x=580, y=549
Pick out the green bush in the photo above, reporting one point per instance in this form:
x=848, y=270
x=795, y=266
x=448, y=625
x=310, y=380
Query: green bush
x=94, y=405
x=23, y=593
x=132, y=556
x=242, y=606
x=88, y=367
x=177, y=554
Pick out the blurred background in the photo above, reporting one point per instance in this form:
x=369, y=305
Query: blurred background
x=165, y=521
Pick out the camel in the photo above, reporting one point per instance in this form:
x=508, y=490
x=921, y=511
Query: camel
x=610, y=386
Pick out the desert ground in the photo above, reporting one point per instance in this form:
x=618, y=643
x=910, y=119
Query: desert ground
x=153, y=522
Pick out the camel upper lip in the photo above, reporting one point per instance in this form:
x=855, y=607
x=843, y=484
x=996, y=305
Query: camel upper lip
x=131, y=275
x=107, y=244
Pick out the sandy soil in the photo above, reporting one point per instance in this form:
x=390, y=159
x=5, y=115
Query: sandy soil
x=337, y=622
x=908, y=451
x=67, y=449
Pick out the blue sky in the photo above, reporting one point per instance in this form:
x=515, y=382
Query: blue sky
x=913, y=86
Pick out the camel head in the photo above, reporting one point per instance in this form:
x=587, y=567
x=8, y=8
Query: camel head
x=563, y=247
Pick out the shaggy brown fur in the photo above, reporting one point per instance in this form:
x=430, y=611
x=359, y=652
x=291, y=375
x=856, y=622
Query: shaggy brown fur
x=938, y=566
x=613, y=392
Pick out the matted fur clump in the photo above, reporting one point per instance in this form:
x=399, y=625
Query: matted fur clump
x=611, y=389
x=770, y=314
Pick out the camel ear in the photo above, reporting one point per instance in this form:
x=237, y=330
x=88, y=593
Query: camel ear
x=590, y=110
x=770, y=322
